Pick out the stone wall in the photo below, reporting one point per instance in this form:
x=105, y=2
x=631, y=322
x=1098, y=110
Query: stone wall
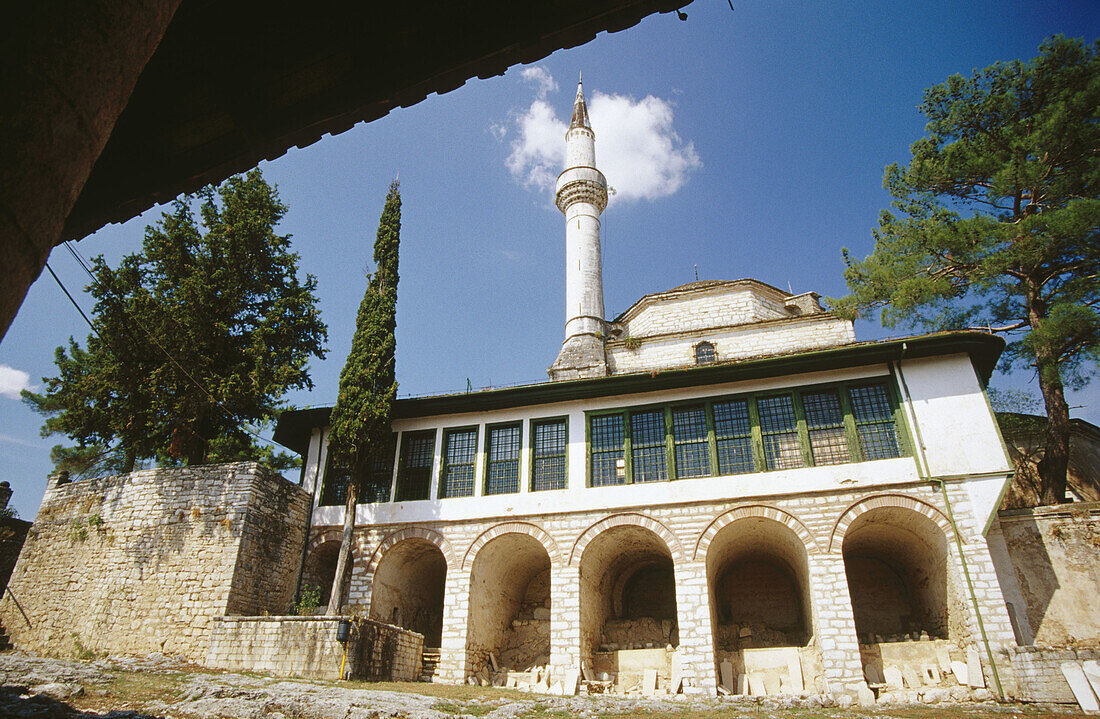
x=142, y=562
x=307, y=647
x=1055, y=553
x=1039, y=674
x=13, y=532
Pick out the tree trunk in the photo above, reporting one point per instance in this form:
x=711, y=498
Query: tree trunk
x=1055, y=462
x=339, y=582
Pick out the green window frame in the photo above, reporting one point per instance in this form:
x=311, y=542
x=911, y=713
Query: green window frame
x=414, y=474
x=503, y=443
x=814, y=426
x=375, y=486
x=549, y=454
x=456, y=477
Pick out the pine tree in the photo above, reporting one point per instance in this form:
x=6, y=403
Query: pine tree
x=203, y=330
x=360, y=420
x=1000, y=225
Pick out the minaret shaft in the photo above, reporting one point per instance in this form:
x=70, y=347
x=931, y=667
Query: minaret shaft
x=581, y=196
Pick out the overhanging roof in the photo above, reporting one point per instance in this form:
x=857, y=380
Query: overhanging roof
x=294, y=426
x=234, y=82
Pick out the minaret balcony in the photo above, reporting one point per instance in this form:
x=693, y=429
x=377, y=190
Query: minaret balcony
x=581, y=184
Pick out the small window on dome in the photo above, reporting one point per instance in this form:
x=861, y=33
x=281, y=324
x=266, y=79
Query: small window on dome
x=705, y=354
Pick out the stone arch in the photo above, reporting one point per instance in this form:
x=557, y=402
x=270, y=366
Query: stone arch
x=752, y=510
x=627, y=519
x=531, y=530
x=401, y=535
x=902, y=501
x=321, y=557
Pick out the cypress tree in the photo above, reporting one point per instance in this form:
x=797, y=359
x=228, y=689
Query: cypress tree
x=360, y=421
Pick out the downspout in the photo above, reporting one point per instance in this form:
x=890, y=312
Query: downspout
x=309, y=514
x=926, y=474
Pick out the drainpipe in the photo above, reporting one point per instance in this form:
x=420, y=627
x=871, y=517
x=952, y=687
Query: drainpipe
x=309, y=513
x=925, y=473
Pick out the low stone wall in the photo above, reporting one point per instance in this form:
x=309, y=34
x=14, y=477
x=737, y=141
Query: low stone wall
x=140, y=563
x=307, y=647
x=1039, y=674
x=1055, y=553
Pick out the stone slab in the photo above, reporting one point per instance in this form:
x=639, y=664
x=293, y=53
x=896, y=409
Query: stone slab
x=974, y=677
x=873, y=674
x=1080, y=686
x=794, y=670
x=959, y=670
x=727, y=674
x=1092, y=674
x=912, y=679
x=866, y=696
x=649, y=682
x=893, y=677
x=756, y=685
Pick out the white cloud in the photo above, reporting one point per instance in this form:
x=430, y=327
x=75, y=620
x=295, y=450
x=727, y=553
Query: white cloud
x=13, y=381
x=636, y=146
x=541, y=78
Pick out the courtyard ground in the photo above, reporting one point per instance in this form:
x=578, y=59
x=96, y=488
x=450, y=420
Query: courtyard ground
x=156, y=686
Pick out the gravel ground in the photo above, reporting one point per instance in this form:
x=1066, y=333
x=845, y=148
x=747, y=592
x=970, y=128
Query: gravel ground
x=157, y=686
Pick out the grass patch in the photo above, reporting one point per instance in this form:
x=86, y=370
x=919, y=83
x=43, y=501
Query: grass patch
x=476, y=710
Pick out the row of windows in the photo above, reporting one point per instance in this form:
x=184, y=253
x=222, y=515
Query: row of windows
x=503, y=444
x=810, y=427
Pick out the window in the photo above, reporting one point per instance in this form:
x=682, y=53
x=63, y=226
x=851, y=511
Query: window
x=705, y=353
x=459, y=452
x=816, y=426
x=733, y=437
x=502, y=465
x=779, y=429
x=549, y=441
x=414, y=475
x=689, y=433
x=825, y=423
x=874, y=419
x=608, y=462
x=375, y=487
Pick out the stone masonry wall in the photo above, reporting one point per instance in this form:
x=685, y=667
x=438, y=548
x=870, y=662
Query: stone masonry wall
x=142, y=562
x=819, y=520
x=1055, y=552
x=1039, y=674
x=13, y=532
x=307, y=647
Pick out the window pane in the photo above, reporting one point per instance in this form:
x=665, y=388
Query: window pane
x=549, y=443
x=415, y=475
x=782, y=450
x=376, y=486
x=335, y=491
x=648, y=446
x=689, y=432
x=733, y=435
x=825, y=421
x=875, y=422
x=460, y=450
x=704, y=353
x=607, y=450
x=503, y=451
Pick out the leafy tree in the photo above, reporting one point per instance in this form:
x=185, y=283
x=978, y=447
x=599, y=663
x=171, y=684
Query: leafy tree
x=203, y=330
x=360, y=420
x=998, y=225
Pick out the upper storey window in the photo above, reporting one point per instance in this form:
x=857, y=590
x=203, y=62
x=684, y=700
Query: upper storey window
x=414, y=474
x=817, y=426
x=705, y=353
x=549, y=442
x=375, y=486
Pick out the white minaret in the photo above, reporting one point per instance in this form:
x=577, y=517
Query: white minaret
x=582, y=195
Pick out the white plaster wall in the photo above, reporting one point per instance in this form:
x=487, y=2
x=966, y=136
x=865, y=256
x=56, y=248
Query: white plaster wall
x=702, y=310
x=578, y=497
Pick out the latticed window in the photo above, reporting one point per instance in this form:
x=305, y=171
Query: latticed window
x=825, y=424
x=733, y=436
x=502, y=469
x=779, y=429
x=549, y=441
x=689, y=432
x=376, y=485
x=459, y=454
x=874, y=419
x=647, y=431
x=608, y=463
x=705, y=353
x=414, y=474
x=335, y=491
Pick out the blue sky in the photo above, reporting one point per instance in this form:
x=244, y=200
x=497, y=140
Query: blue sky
x=746, y=143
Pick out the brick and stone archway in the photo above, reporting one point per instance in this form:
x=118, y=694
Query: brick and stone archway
x=672, y=544
x=509, y=604
x=758, y=579
x=408, y=574
x=866, y=504
x=526, y=528
x=627, y=593
x=896, y=559
x=319, y=569
x=752, y=510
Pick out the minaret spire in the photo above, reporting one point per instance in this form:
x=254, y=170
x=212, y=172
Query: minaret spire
x=581, y=195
